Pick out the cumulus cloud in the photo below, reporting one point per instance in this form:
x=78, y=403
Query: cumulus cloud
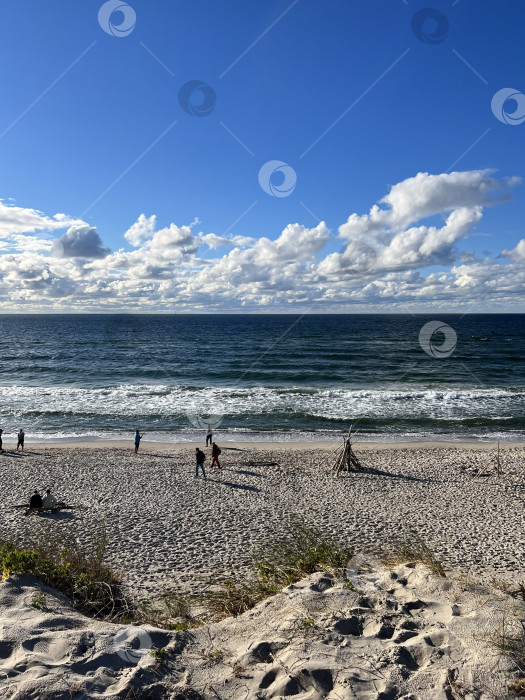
x=456, y=198
x=517, y=254
x=141, y=230
x=213, y=241
x=425, y=195
x=15, y=220
x=383, y=263
x=80, y=241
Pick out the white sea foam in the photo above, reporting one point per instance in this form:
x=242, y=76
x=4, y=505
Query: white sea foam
x=76, y=409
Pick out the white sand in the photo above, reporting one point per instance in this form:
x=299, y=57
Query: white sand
x=401, y=634
x=166, y=528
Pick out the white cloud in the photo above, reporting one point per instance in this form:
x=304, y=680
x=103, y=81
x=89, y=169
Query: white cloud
x=141, y=230
x=80, y=241
x=213, y=241
x=517, y=254
x=381, y=265
x=15, y=220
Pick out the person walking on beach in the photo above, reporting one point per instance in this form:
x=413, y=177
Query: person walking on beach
x=209, y=435
x=20, y=443
x=215, y=452
x=1, y=448
x=138, y=438
x=201, y=458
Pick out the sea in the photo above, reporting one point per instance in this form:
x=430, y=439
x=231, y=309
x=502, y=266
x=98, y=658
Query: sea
x=263, y=377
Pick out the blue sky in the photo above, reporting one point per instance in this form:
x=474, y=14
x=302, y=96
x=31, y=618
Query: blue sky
x=283, y=74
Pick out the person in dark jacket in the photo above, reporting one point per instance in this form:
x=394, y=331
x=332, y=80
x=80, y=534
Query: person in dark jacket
x=36, y=500
x=201, y=458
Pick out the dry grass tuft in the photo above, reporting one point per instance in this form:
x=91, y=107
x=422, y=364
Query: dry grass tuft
x=412, y=548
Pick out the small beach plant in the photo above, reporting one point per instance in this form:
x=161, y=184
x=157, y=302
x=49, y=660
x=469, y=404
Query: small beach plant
x=75, y=569
x=302, y=552
x=39, y=601
x=411, y=548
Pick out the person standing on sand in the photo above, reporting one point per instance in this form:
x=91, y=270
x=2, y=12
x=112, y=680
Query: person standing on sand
x=1, y=448
x=215, y=452
x=138, y=438
x=21, y=436
x=201, y=458
x=209, y=435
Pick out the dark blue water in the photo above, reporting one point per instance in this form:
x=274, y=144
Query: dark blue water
x=257, y=377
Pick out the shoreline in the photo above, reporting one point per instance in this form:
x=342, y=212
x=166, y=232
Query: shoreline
x=284, y=446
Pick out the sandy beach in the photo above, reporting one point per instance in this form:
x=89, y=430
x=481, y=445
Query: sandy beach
x=167, y=529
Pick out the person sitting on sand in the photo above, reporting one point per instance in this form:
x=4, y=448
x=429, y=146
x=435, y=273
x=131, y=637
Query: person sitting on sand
x=49, y=500
x=215, y=452
x=21, y=436
x=209, y=435
x=36, y=500
x=138, y=438
x=201, y=458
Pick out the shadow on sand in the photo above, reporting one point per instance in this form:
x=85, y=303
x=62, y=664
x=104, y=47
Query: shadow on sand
x=152, y=454
x=368, y=471
x=262, y=464
x=26, y=453
x=59, y=515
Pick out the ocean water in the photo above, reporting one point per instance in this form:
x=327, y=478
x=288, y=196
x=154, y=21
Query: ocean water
x=263, y=377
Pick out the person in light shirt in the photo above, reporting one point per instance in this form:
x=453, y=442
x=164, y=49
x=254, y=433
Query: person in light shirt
x=49, y=501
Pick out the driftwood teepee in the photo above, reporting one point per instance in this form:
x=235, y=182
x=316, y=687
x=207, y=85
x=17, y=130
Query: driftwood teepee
x=345, y=459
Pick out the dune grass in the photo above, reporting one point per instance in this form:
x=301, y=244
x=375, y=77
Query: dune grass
x=302, y=552
x=410, y=547
x=79, y=571
x=74, y=569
